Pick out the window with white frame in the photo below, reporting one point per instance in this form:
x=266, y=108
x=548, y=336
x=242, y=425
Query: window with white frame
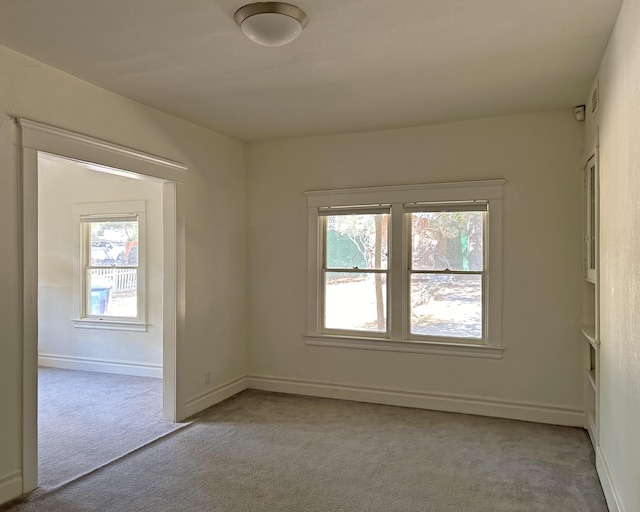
x=406, y=266
x=111, y=267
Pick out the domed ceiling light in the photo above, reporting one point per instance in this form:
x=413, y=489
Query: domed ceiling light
x=271, y=23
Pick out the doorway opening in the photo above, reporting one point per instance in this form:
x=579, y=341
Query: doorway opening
x=99, y=317
x=88, y=277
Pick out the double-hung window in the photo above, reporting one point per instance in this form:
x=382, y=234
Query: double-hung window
x=356, y=268
x=408, y=268
x=110, y=277
x=446, y=270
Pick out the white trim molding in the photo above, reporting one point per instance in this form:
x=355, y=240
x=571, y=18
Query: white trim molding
x=202, y=401
x=397, y=202
x=61, y=142
x=84, y=214
x=36, y=139
x=434, y=192
x=108, y=325
x=89, y=364
x=109, y=208
x=405, y=346
x=608, y=488
x=448, y=402
x=10, y=486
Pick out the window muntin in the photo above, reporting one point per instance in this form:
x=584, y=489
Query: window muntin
x=110, y=248
x=355, y=270
x=446, y=272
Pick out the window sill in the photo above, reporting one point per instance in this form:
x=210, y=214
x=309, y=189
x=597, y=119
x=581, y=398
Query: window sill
x=111, y=325
x=407, y=346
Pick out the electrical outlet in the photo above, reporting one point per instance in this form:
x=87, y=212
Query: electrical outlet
x=207, y=377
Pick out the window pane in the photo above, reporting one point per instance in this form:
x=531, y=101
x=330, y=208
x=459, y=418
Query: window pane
x=447, y=240
x=446, y=305
x=357, y=241
x=113, y=243
x=113, y=292
x=355, y=301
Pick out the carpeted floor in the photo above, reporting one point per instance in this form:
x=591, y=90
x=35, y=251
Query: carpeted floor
x=271, y=452
x=88, y=419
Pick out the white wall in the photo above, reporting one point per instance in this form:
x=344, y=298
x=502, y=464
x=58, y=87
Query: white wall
x=215, y=231
x=618, y=122
x=539, y=377
x=61, y=185
x=539, y=155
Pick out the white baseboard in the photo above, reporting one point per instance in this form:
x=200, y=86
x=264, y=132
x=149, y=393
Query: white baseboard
x=610, y=494
x=89, y=364
x=541, y=413
x=204, y=400
x=10, y=486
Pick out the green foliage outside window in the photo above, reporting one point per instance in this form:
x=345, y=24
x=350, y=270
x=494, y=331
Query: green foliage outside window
x=343, y=252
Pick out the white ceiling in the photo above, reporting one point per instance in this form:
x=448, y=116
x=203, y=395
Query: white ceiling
x=359, y=65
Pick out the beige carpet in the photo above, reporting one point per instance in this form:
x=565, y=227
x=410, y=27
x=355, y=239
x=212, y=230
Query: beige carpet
x=270, y=452
x=88, y=419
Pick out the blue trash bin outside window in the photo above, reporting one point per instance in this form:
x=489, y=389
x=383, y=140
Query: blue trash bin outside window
x=100, y=300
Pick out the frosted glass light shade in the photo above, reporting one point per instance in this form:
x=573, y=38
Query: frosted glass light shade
x=271, y=29
x=271, y=23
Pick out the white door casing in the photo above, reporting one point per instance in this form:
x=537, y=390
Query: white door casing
x=37, y=137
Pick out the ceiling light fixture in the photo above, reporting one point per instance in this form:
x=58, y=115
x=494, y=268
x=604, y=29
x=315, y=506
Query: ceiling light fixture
x=271, y=23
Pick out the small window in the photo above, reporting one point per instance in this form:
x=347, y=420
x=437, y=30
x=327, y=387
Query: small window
x=111, y=281
x=111, y=267
x=409, y=264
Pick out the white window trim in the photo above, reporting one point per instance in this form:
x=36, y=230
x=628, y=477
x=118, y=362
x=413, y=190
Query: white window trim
x=398, y=339
x=96, y=212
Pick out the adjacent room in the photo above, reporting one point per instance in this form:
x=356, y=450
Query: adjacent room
x=359, y=255
x=99, y=317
